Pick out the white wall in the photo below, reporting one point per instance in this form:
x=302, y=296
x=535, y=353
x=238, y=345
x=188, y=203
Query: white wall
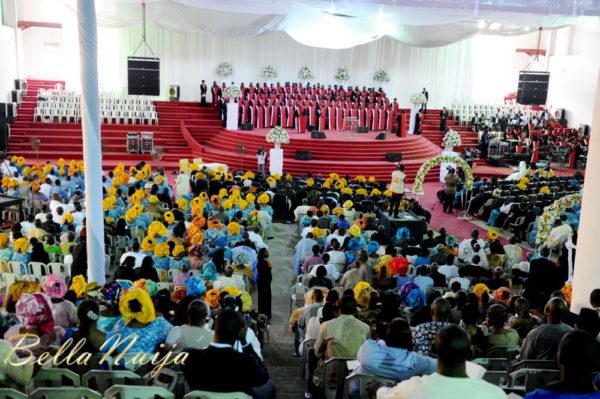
x=8, y=62
x=573, y=74
x=42, y=51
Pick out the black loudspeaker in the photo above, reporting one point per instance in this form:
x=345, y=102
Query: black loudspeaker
x=533, y=87
x=381, y=136
x=302, y=155
x=246, y=126
x=393, y=157
x=4, y=129
x=11, y=112
x=3, y=111
x=585, y=129
x=16, y=96
x=143, y=76
x=362, y=129
x=173, y=93
x=317, y=135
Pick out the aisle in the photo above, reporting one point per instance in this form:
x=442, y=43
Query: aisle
x=283, y=368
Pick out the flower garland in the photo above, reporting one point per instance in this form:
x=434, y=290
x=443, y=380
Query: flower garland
x=305, y=73
x=381, y=76
x=342, y=74
x=430, y=163
x=452, y=139
x=278, y=135
x=224, y=69
x=269, y=71
x=232, y=92
x=553, y=212
x=418, y=98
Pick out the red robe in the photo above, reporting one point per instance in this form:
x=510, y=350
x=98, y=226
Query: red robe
x=331, y=117
x=252, y=112
x=283, y=115
x=375, y=118
x=267, y=116
x=303, y=119
x=260, y=117
x=381, y=117
x=389, y=120
x=290, y=116
x=535, y=153
x=244, y=112
x=273, y=121
x=339, y=118
x=215, y=94
x=369, y=119
x=321, y=121
x=312, y=115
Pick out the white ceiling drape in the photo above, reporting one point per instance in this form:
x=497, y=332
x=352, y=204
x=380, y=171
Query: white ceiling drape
x=337, y=24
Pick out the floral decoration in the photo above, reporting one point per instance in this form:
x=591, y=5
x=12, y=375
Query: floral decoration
x=553, y=212
x=342, y=74
x=381, y=76
x=305, y=73
x=418, y=98
x=224, y=69
x=232, y=92
x=278, y=135
x=430, y=163
x=452, y=139
x=269, y=71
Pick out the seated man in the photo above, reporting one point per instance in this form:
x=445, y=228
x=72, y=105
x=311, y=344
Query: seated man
x=332, y=271
x=577, y=358
x=394, y=358
x=194, y=334
x=452, y=346
x=229, y=279
x=424, y=334
x=542, y=343
x=220, y=368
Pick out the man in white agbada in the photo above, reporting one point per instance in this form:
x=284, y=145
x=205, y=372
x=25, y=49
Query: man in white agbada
x=182, y=185
x=560, y=234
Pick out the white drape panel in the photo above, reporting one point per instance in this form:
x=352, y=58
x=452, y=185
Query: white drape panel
x=186, y=59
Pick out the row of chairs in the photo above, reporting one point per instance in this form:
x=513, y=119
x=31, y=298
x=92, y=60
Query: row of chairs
x=115, y=392
x=68, y=115
x=103, y=106
x=59, y=94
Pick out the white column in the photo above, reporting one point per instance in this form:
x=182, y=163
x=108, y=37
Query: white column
x=411, y=123
x=587, y=271
x=92, y=154
x=232, y=116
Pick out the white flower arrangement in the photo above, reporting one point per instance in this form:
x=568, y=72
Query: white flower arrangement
x=418, y=98
x=551, y=213
x=224, y=69
x=278, y=135
x=305, y=73
x=452, y=139
x=381, y=76
x=430, y=163
x=269, y=71
x=342, y=74
x=232, y=92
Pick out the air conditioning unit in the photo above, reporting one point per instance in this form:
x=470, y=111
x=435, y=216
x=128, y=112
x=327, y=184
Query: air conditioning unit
x=173, y=93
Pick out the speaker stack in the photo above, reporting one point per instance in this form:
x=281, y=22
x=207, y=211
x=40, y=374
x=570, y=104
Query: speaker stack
x=533, y=87
x=143, y=76
x=4, y=134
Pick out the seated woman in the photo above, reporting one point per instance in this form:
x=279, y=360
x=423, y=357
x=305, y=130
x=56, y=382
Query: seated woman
x=64, y=312
x=139, y=320
x=320, y=280
x=35, y=314
x=500, y=336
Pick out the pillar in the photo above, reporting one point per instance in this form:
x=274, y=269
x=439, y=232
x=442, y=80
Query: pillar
x=92, y=153
x=587, y=269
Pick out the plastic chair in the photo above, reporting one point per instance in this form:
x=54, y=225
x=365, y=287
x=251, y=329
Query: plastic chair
x=56, y=378
x=335, y=371
x=535, y=364
x=17, y=268
x=170, y=380
x=496, y=377
x=64, y=393
x=297, y=295
x=100, y=380
x=502, y=352
x=493, y=364
x=528, y=380
x=135, y=392
x=58, y=269
x=38, y=269
x=307, y=345
x=363, y=380
x=216, y=395
x=9, y=393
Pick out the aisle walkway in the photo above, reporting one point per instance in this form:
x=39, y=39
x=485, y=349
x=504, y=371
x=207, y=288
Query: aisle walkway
x=283, y=368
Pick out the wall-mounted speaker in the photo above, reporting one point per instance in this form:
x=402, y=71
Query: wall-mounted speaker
x=173, y=93
x=317, y=135
x=302, y=155
x=533, y=87
x=393, y=157
x=143, y=76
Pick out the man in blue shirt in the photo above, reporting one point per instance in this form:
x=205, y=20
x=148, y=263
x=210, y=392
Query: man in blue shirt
x=394, y=357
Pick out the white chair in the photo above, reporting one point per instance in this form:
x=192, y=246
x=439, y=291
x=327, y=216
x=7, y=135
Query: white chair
x=165, y=286
x=58, y=269
x=17, y=268
x=64, y=393
x=9, y=393
x=135, y=392
x=101, y=380
x=38, y=269
x=216, y=395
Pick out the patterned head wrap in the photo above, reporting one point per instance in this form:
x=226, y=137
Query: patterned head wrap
x=54, y=286
x=35, y=311
x=136, y=304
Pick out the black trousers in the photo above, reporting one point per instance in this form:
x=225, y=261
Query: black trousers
x=264, y=301
x=395, y=204
x=448, y=202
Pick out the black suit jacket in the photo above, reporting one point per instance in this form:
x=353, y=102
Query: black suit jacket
x=224, y=370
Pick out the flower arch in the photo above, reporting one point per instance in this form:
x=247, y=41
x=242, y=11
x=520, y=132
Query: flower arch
x=430, y=163
x=551, y=213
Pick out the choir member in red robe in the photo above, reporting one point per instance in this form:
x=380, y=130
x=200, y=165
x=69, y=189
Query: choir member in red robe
x=331, y=117
x=312, y=114
x=274, y=109
x=375, y=112
x=535, y=152
x=260, y=116
x=389, y=119
x=290, y=115
x=339, y=116
x=381, y=117
x=369, y=118
x=321, y=118
x=268, y=115
x=282, y=115
x=215, y=94
x=304, y=112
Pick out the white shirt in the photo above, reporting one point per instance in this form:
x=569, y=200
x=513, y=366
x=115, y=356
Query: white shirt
x=54, y=204
x=261, y=158
x=338, y=237
x=306, y=230
x=465, y=283
x=257, y=240
x=45, y=189
x=187, y=336
x=26, y=226
x=559, y=235
x=397, y=185
x=139, y=257
x=234, y=281
x=450, y=271
x=331, y=271
x=436, y=386
x=338, y=259
x=77, y=218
